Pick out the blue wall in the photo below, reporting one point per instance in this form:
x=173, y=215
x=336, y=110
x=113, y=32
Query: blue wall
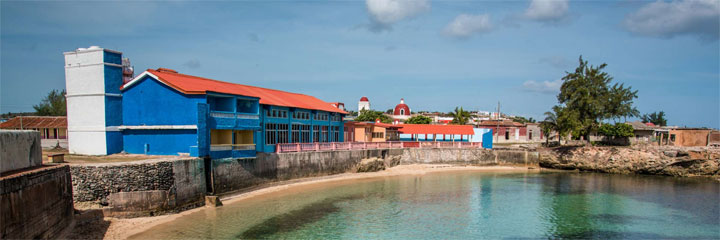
x=150, y=102
x=161, y=142
x=111, y=57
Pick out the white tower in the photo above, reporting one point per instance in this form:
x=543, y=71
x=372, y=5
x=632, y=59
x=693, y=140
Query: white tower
x=363, y=104
x=93, y=77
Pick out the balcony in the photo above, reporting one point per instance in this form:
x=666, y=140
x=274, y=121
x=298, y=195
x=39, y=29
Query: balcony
x=233, y=120
x=232, y=150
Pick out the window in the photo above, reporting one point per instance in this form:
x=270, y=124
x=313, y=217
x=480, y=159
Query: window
x=316, y=133
x=321, y=116
x=336, y=132
x=270, y=133
x=672, y=137
x=296, y=133
x=301, y=115
x=275, y=113
x=325, y=133
x=378, y=135
x=305, y=135
x=402, y=111
x=282, y=133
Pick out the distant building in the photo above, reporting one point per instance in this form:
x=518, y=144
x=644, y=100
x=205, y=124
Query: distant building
x=53, y=130
x=338, y=105
x=401, y=112
x=363, y=104
x=510, y=131
x=371, y=132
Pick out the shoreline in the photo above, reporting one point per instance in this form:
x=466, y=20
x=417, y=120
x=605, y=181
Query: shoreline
x=123, y=228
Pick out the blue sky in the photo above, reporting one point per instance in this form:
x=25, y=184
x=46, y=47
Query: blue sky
x=435, y=54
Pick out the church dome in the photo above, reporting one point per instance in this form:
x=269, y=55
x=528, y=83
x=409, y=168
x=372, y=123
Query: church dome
x=364, y=99
x=402, y=109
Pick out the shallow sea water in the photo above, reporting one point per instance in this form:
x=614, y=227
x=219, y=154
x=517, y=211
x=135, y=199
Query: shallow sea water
x=467, y=205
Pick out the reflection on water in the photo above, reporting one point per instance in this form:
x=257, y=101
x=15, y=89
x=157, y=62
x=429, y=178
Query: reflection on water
x=468, y=205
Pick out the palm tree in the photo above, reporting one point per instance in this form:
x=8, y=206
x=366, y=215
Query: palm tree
x=460, y=116
x=548, y=125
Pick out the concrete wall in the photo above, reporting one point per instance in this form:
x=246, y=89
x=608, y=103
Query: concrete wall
x=51, y=143
x=468, y=156
x=230, y=175
x=19, y=149
x=142, y=188
x=36, y=204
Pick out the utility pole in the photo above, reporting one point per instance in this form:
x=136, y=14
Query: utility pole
x=497, y=121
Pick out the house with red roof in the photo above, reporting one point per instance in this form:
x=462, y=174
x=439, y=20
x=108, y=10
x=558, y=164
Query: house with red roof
x=164, y=112
x=53, y=129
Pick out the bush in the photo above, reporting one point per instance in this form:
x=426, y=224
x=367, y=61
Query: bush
x=619, y=130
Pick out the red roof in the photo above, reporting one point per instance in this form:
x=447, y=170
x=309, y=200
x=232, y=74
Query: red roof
x=364, y=99
x=649, y=124
x=436, y=129
x=197, y=85
x=35, y=122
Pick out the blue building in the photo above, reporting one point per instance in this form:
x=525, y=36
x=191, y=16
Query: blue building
x=164, y=112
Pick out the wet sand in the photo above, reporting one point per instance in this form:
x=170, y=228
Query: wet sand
x=114, y=228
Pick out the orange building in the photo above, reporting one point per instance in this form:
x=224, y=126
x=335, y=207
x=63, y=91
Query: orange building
x=370, y=132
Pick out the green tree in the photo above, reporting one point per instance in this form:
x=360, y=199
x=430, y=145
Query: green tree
x=52, y=105
x=617, y=131
x=370, y=116
x=389, y=111
x=523, y=120
x=549, y=125
x=459, y=116
x=419, y=119
x=657, y=118
x=586, y=96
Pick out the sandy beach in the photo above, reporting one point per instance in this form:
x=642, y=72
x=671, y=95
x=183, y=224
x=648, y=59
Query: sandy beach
x=115, y=228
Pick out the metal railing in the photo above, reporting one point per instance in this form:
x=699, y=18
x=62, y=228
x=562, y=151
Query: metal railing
x=331, y=146
x=234, y=115
x=228, y=147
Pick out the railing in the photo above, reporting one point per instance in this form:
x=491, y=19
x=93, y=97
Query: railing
x=330, y=146
x=228, y=147
x=234, y=115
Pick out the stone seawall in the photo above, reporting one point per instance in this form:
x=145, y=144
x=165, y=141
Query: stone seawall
x=142, y=188
x=468, y=156
x=169, y=185
x=36, y=204
x=230, y=175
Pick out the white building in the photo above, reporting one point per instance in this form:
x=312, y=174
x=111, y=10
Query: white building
x=363, y=104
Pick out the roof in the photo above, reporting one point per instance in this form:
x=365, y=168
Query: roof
x=504, y=123
x=364, y=99
x=188, y=84
x=383, y=125
x=638, y=125
x=35, y=122
x=436, y=129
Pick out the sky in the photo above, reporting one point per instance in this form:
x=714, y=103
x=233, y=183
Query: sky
x=437, y=55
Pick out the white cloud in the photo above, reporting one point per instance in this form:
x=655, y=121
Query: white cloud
x=668, y=19
x=466, y=25
x=384, y=13
x=546, y=87
x=547, y=10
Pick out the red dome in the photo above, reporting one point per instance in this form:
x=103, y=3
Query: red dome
x=364, y=99
x=402, y=109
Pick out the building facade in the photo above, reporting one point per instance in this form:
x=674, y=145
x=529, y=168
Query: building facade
x=363, y=104
x=163, y=112
x=53, y=130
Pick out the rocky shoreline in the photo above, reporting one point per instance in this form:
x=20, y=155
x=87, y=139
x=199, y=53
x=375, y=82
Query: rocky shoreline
x=654, y=160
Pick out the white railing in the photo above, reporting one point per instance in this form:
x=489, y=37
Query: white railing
x=234, y=115
x=331, y=146
x=228, y=147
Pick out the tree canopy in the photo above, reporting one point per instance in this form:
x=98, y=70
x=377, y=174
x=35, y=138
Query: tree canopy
x=52, y=105
x=370, y=116
x=523, y=120
x=657, y=118
x=419, y=119
x=588, y=96
x=459, y=116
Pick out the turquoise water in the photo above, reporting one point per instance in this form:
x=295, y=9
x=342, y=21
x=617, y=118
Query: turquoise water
x=468, y=205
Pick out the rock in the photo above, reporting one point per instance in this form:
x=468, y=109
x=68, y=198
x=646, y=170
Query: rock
x=647, y=160
x=371, y=165
x=670, y=153
x=212, y=201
